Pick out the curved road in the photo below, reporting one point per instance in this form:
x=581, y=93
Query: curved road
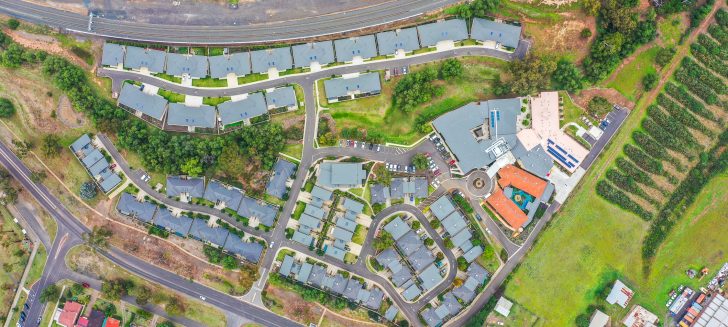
x=305, y=28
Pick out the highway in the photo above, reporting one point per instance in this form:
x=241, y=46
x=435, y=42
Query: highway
x=305, y=28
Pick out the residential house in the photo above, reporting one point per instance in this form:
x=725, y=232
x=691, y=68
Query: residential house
x=274, y=59
x=129, y=206
x=355, y=49
x=183, y=118
x=113, y=55
x=349, y=88
x=398, y=42
x=450, y=31
x=239, y=112
x=233, y=65
x=281, y=98
x=314, y=54
x=496, y=35
x=146, y=60
x=149, y=107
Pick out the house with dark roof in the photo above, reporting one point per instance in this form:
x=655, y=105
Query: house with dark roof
x=478, y=273
x=349, y=88
x=451, y=303
x=236, y=113
x=496, y=35
x=353, y=287
x=473, y=253
x=321, y=193
x=400, y=274
x=109, y=181
x=96, y=319
x=374, y=301
x=113, y=55
x=309, y=221
x=421, y=259
x=452, y=30
x=339, y=285
x=431, y=318
x=281, y=97
x=391, y=313
x=224, y=196
x=129, y=206
x=454, y=223
x=178, y=225
x=149, y=107
x=316, y=278
x=250, y=251
x=282, y=171
x=185, y=187
x=341, y=174
x=186, y=65
x=397, y=228
x=409, y=243
x=379, y=193
x=235, y=64
x=400, y=41
x=278, y=59
x=139, y=59
x=353, y=49
x=314, y=211
x=203, y=232
x=387, y=258
x=411, y=292
x=183, y=118
x=401, y=188
x=303, y=238
x=80, y=146
x=304, y=273
x=313, y=54
x=253, y=209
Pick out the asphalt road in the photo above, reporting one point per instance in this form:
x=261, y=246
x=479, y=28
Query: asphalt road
x=304, y=28
x=617, y=117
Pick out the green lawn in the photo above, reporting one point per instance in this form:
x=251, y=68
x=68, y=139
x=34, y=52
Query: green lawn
x=360, y=234
x=171, y=96
x=671, y=30
x=519, y=317
x=376, y=113
x=252, y=78
x=572, y=112
x=36, y=270
x=210, y=82
x=170, y=78
x=294, y=150
x=629, y=79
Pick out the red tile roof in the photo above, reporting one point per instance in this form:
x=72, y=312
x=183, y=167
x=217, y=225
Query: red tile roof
x=111, y=322
x=71, y=311
x=82, y=322
x=521, y=179
x=506, y=209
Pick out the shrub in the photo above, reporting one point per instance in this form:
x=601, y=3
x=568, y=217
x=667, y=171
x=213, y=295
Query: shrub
x=585, y=33
x=599, y=106
x=7, y=109
x=649, y=81
x=13, y=23
x=451, y=68
x=664, y=56
x=88, y=191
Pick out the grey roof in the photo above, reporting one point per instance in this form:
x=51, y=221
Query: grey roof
x=341, y=87
x=317, y=276
x=421, y=258
x=442, y=311
x=400, y=275
x=409, y=243
x=430, y=277
x=421, y=187
x=397, y=227
x=314, y=211
x=374, y=301
x=251, y=251
x=339, y=284
x=343, y=174
x=477, y=272
x=471, y=284
x=396, y=188
x=282, y=171
x=110, y=182
x=177, y=185
x=128, y=205
x=488, y=30
x=461, y=237
x=463, y=293
x=113, y=54
x=219, y=192
x=402, y=39
x=358, y=46
x=81, y=143
x=535, y=161
x=353, y=205
x=411, y=292
x=454, y=223
x=547, y=193
x=202, y=231
x=379, y=193
x=346, y=224
x=305, y=54
x=328, y=282
x=286, y=266
x=442, y=207
x=431, y=318
x=203, y=116
x=136, y=58
x=280, y=58
x=466, y=246
x=309, y=221
x=165, y=219
x=304, y=273
x=353, y=287
x=473, y=253
x=448, y=30
x=236, y=111
x=321, y=193
x=451, y=303
x=236, y=63
x=342, y=234
x=302, y=238
x=387, y=257
x=252, y=208
x=281, y=97
x=456, y=128
x=192, y=65
x=90, y=159
x=97, y=168
x=335, y=253
x=391, y=313
x=151, y=105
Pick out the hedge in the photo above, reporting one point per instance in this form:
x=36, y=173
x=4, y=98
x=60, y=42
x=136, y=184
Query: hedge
x=619, y=198
x=633, y=171
x=647, y=144
x=681, y=115
x=678, y=131
x=641, y=159
x=628, y=184
x=681, y=94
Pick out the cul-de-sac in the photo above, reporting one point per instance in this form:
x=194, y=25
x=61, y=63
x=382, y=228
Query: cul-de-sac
x=479, y=163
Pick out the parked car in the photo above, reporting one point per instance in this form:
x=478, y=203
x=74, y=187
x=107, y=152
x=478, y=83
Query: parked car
x=378, y=148
x=85, y=285
x=371, y=146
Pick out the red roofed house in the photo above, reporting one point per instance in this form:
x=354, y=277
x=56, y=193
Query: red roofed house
x=111, y=322
x=71, y=311
x=82, y=322
x=510, y=177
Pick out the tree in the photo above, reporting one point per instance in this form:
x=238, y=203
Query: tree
x=143, y=294
x=174, y=306
x=462, y=264
x=51, y=145
x=439, y=256
x=420, y=161
x=415, y=88
x=567, y=76
x=50, y=293
x=531, y=74
x=12, y=56
x=649, y=81
x=383, y=176
x=192, y=167
x=115, y=289
x=230, y=263
x=416, y=225
x=38, y=176
x=585, y=33
x=231, y=161
x=7, y=109
x=599, y=106
x=98, y=238
x=22, y=147
x=88, y=191
x=165, y=324
x=429, y=242
x=451, y=68
x=13, y=24
x=477, y=8
x=664, y=55
x=435, y=223
x=591, y=7
x=448, y=243
x=384, y=241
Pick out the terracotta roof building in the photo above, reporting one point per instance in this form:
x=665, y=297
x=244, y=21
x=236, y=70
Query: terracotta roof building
x=71, y=311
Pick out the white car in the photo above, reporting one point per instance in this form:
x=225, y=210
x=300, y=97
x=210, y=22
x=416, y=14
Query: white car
x=202, y=298
x=271, y=244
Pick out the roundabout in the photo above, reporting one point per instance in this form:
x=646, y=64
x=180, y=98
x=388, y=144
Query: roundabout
x=479, y=184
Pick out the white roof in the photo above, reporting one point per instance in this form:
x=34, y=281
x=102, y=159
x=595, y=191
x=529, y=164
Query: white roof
x=503, y=306
x=599, y=319
x=620, y=294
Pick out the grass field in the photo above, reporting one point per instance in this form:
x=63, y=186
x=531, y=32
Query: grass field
x=36, y=269
x=12, y=260
x=376, y=113
x=628, y=80
x=671, y=30
x=519, y=317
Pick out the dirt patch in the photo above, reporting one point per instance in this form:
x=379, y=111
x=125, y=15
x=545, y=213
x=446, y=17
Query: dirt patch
x=78, y=7
x=67, y=115
x=291, y=305
x=35, y=101
x=582, y=99
x=563, y=37
x=43, y=42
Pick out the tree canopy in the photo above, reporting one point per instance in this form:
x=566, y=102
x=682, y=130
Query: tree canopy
x=7, y=109
x=567, y=76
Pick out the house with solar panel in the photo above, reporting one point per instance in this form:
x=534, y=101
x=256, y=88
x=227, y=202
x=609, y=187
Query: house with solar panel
x=352, y=87
x=496, y=35
x=151, y=108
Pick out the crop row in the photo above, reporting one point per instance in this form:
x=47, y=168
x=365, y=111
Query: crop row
x=713, y=47
x=709, y=60
x=678, y=131
x=646, y=143
x=679, y=93
x=628, y=184
x=611, y=194
x=663, y=137
x=722, y=17
x=681, y=115
x=719, y=33
x=699, y=73
x=633, y=171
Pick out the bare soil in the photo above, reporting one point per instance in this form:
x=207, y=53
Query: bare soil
x=291, y=305
x=582, y=98
x=43, y=42
x=562, y=37
x=66, y=115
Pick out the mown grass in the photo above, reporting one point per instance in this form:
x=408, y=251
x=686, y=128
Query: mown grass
x=629, y=78
x=671, y=30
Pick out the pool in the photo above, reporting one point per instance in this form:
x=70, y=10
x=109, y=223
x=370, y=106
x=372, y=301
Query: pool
x=521, y=198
